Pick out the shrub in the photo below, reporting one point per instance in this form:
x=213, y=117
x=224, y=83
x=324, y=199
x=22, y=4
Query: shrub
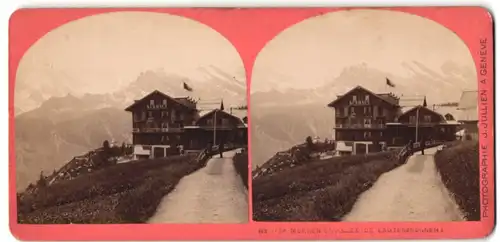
x=240, y=162
x=458, y=166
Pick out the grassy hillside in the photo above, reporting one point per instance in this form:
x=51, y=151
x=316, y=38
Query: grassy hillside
x=46, y=142
x=123, y=193
x=322, y=190
x=458, y=166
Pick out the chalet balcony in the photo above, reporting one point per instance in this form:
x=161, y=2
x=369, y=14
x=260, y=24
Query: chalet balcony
x=156, y=107
x=359, y=102
x=175, y=128
x=360, y=126
x=422, y=123
x=219, y=127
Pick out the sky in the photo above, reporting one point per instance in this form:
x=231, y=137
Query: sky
x=103, y=53
x=315, y=51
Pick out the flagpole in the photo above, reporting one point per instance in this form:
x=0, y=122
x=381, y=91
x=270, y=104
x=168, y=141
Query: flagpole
x=416, y=126
x=215, y=126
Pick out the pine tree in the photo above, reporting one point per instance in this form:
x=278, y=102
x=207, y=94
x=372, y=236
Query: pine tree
x=42, y=182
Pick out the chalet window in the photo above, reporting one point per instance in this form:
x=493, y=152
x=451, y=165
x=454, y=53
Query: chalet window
x=181, y=116
x=150, y=114
x=367, y=135
x=367, y=99
x=152, y=102
x=413, y=119
x=368, y=122
x=367, y=110
x=346, y=111
x=143, y=115
x=427, y=118
x=174, y=115
x=135, y=117
x=354, y=99
x=337, y=112
x=165, y=102
x=353, y=113
x=210, y=122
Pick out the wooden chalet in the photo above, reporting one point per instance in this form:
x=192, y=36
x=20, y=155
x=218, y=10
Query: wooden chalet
x=217, y=126
x=364, y=118
x=468, y=114
x=162, y=125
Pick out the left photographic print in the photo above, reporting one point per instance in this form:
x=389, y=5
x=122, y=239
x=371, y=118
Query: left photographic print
x=130, y=117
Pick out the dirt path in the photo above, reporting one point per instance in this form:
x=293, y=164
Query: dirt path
x=214, y=194
x=411, y=192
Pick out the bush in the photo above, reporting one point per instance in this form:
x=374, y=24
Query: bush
x=458, y=166
x=240, y=162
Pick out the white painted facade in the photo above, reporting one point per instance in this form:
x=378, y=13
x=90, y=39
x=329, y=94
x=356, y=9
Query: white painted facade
x=139, y=151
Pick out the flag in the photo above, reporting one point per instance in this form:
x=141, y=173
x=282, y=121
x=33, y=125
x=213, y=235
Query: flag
x=222, y=105
x=186, y=87
x=389, y=83
x=425, y=102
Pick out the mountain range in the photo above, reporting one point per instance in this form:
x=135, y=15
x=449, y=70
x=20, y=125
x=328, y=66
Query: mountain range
x=283, y=118
x=50, y=130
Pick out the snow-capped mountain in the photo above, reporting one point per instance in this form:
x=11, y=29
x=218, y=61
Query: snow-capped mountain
x=216, y=84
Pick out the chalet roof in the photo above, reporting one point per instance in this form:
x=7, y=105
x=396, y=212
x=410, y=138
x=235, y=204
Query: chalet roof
x=129, y=108
x=421, y=107
x=388, y=98
x=239, y=113
x=187, y=101
x=210, y=112
x=468, y=100
x=468, y=106
x=443, y=110
x=468, y=115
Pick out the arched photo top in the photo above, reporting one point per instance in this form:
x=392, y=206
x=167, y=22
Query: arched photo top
x=334, y=51
x=107, y=52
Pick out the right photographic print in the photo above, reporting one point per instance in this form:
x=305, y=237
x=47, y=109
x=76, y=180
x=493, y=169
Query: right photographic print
x=365, y=115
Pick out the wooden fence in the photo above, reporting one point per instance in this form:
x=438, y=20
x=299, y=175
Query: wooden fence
x=406, y=152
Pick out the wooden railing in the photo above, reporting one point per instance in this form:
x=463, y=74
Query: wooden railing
x=172, y=128
x=360, y=126
x=406, y=152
